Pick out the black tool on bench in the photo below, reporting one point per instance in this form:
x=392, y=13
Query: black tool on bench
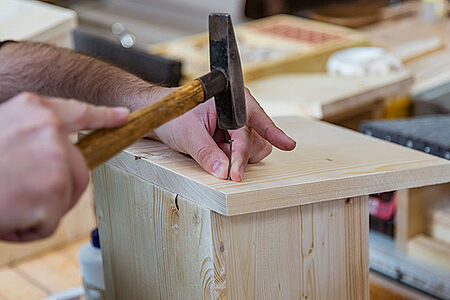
x=430, y=134
x=149, y=67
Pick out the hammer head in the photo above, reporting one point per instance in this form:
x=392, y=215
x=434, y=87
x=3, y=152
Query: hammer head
x=224, y=56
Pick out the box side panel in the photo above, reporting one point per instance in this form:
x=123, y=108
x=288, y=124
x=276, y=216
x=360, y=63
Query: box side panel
x=155, y=245
x=314, y=251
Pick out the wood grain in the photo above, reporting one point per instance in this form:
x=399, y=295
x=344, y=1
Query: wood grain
x=430, y=250
x=324, y=96
x=153, y=241
x=439, y=220
x=412, y=210
x=154, y=245
x=328, y=163
x=264, y=52
x=294, y=253
x=36, y=21
x=101, y=145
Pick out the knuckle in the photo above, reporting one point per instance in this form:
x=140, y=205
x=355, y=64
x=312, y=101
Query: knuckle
x=28, y=98
x=51, y=121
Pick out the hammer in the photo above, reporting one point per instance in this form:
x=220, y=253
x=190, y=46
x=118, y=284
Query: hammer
x=224, y=83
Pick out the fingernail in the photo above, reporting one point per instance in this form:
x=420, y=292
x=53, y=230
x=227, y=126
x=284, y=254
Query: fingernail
x=237, y=168
x=219, y=169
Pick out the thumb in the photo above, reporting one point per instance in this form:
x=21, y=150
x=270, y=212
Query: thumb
x=209, y=156
x=76, y=115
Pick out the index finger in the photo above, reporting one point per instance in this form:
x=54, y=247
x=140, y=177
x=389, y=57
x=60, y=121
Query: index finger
x=263, y=124
x=76, y=115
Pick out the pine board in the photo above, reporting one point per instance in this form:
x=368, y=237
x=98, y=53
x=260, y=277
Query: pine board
x=329, y=163
x=430, y=251
x=324, y=96
x=159, y=245
x=36, y=21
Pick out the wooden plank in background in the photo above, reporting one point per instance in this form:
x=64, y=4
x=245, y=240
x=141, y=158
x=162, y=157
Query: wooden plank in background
x=429, y=250
x=13, y=286
x=324, y=96
x=412, y=207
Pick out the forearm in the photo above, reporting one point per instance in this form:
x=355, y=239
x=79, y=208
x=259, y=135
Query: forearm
x=59, y=72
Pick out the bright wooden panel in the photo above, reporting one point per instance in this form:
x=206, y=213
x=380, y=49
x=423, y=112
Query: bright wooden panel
x=430, y=250
x=151, y=248
x=315, y=251
x=157, y=245
x=413, y=206
x=324, y=96
x=329, y=163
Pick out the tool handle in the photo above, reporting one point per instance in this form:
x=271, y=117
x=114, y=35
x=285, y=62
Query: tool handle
x=100, y=145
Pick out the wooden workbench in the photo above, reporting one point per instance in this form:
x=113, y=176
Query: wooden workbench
x=345, y=101
x=430, y=69
x=297, y=225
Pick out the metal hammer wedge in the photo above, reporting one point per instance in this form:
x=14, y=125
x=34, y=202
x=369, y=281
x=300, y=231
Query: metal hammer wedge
x=224, y=83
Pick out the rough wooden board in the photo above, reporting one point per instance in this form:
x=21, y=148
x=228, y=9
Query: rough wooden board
x=268, y=46
x=429, y=250
x=13, y=286
x=156, y=241
x=328, y=163
x=431, y=69
x=385, y=288
x=53, y=271
x=36, y=21
x=324, y=96
x=315, y=251
x=30, y=278
x=77, y=223
x=412, y=207
x=149, y=243
x=439, y=220
x=386, y=259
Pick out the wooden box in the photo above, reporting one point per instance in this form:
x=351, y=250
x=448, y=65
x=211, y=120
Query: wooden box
x=36, y=21
x=273, y=45
x=296, y=227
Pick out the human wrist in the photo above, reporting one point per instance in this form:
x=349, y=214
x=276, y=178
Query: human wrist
x=148, y=96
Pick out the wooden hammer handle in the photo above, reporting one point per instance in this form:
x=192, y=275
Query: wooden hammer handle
x=100, y=145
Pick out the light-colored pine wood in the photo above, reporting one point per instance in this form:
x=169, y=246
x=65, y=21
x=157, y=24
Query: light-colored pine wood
x=412, y=210
x=13, y=286
x=315, y=251
x=53, y=271
x=428, y=52
x=38, y=277
x=157, y=245
x=264, y=53
x=384, y=288
x=439, y=221
x=77, y=223
x=325, y=96
x=36, y=21
x=328, y=163
x=430, y=250
x=151, y=249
